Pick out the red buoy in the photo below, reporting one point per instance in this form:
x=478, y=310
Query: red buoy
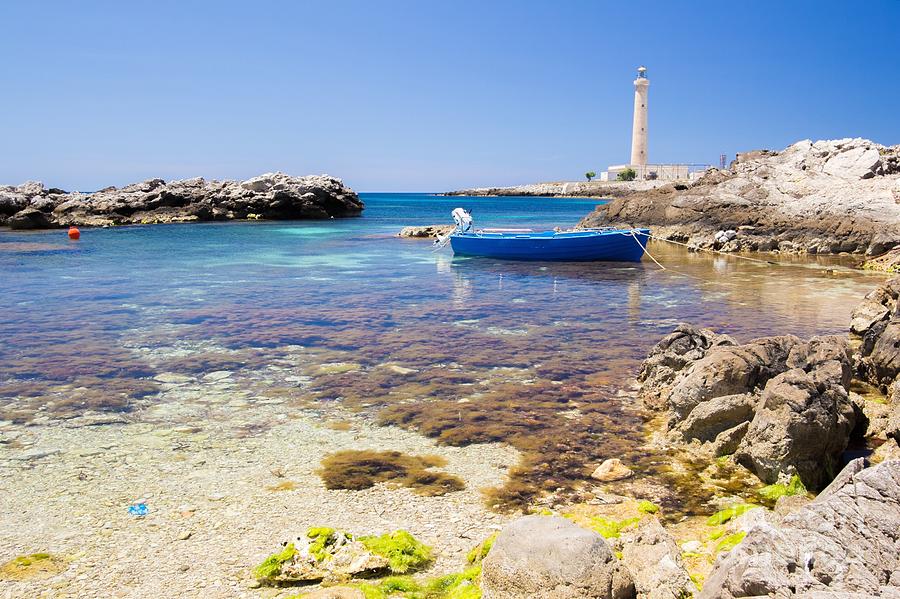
x=74, y=233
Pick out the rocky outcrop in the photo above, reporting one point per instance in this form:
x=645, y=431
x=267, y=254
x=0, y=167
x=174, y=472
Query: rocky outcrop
x=427, y=231
x=540, y=557
x=842, y=544
x=779, y=404
x=653, y=558
x=802, y=424
x=876, y=321
x=685, y=345
x=887, y=262
x=269, y=196
x=819, y=197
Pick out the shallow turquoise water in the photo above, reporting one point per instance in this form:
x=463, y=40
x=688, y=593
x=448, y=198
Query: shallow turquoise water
x=75, y=312
x=89, y=325
x=343, y=317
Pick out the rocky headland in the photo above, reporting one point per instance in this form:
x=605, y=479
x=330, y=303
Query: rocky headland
x=823, y=197
x=268, y=196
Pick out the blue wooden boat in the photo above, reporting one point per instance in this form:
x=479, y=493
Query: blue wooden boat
x=578, y=245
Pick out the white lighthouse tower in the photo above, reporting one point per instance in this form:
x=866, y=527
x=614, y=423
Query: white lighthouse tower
x=639, y=168
x=639, y=126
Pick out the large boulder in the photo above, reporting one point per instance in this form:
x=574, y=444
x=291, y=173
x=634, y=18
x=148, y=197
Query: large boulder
x=843, y=544
x=801, y=426
x=29, y=218
x=541, y=557
x=654, y=560
x=855, y=163
x=668, y=358
x=11, y=202
x=730, y=370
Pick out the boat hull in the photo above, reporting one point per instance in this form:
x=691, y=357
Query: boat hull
x=579, y=246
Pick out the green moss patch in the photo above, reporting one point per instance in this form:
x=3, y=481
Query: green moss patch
x=459, y=585
x=462, y=585
x=403, y=552
x=729, y=513
x=647, y=507
x=271, y=566
x=36, y=565
x=730, y=542
x=357, y=470
x=480, y=551
x=774, y=492
x=611, y=529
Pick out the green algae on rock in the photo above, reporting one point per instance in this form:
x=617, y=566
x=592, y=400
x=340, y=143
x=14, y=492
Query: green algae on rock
x=776, y=491
x=733, y=511
x=731, y=541
x=403, y=552
x=480, y=551
x=357, y=470
x=458, y=585
x=647, y=507
x=326, y=554
x=36, y=565
x=271, y=566
x=611, y=529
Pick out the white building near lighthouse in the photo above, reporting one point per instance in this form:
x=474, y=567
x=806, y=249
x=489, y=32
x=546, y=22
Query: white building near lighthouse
x=640, y=163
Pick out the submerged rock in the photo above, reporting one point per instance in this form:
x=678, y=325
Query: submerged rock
x=269, y=196
x=821, y=197
x=611, y=470
x=428, y=231
x=541, y=557
x=841, y=544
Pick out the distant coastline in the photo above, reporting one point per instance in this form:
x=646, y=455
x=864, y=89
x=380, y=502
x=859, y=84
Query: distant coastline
x=563, y=189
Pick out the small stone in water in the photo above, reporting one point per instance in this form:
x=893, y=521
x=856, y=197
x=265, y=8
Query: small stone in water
x=611, y=470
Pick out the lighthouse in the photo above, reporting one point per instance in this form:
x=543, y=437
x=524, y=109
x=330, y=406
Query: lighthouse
x=639, y=125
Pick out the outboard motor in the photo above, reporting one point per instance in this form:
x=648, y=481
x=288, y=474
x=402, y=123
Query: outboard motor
x=462, y=219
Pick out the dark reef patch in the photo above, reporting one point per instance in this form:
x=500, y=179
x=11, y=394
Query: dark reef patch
x=357, y=470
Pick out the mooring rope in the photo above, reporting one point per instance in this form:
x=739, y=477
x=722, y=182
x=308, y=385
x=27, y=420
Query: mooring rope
x=633, y=234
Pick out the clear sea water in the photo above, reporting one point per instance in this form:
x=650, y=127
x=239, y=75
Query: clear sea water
x=382, y=323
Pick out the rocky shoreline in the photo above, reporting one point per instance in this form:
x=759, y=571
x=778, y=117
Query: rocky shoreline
x=784, y=410
x=824, y=197
x=268, y=196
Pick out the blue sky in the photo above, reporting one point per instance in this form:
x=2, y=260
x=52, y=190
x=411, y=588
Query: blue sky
x=422, y=95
